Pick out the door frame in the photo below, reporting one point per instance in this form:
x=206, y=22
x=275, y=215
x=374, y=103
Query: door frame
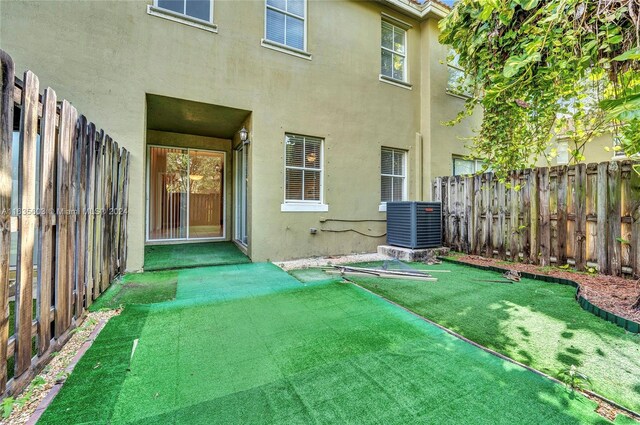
x=147, y=200
x=241, y=154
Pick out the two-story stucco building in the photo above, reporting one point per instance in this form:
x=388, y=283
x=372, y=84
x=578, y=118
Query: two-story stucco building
x=342, y=102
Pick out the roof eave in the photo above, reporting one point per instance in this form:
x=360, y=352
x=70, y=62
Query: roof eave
x=430, y=9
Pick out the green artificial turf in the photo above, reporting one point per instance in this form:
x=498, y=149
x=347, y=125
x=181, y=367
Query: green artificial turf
x=537, y=323
x=251, y=344
x=139, y=288
x=177, y=256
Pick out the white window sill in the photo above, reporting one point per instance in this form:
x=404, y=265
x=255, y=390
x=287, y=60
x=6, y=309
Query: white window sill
x=394, y=82
x=382, y=207
x=458, y=95
x=283, y=48
x=293, y=207
x=622, y=157
x=182, y=19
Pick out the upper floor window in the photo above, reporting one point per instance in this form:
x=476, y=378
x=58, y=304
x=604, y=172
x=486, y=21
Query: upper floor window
x=393, y=170
x=285, y=22
x=393, y=52
x=198, y=9
x=458, y=82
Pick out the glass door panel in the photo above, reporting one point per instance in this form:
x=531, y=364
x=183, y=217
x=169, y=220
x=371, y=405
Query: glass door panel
x=206, y=194
x=168, y=193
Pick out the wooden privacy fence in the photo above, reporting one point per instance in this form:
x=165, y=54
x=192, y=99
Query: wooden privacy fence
x=585, y=215
x=70, y=228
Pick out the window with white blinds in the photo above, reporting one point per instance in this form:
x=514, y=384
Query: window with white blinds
x=393, y=169
x=303, y=169
x=199, y=9
x=285, y=22
x=393, y=51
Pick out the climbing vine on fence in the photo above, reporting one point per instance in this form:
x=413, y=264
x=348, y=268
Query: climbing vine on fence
x=538, y=68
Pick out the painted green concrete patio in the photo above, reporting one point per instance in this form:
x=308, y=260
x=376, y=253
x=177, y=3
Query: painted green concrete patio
x=251, y=344
x=179, y=256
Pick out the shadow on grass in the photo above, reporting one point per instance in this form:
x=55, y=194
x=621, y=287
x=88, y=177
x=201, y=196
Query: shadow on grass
x=537, y=323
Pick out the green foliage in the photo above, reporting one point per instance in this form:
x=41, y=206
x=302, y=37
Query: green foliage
x=7, y=407
x=9, y=402
x=574, y=379
x=623, y=241
x=541, y=68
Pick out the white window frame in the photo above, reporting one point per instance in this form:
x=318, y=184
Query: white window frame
x=183, y=18
x=284, y=48
x=405, y=71
x=477, y=164
x=298, y=205
x=618, y=153
x=405, y=154
x=450, y=90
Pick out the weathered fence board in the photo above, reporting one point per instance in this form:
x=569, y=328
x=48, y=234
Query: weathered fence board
x=587, y=215
x=47, y=219
x=7, y=78
x=79, y=248
x=26, y=222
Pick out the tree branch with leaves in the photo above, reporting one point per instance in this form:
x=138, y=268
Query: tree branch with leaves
x=540, y=68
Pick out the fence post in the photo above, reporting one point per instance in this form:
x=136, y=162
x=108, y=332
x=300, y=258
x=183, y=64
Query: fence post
x=635, y=224
x=534, y=217
x=26, y=222
x=613, y=219
x=81, y=279
x=90, y=203
x=502, y=220
x=468, y=214
x=476, y=223
x=545, y=217
x=581, y=216
x=488, y=205
x=125, y=212
x=47, y=190
x=561, y=238
x=7, y=78
x=445, y=211
x=62, y=284
x=514, y=216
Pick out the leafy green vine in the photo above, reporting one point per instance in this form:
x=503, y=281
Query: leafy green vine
x=542, y=69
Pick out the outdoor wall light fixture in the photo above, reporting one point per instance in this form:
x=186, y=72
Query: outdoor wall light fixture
x=244, y=136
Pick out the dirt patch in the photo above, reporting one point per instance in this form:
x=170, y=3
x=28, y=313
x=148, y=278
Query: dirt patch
x=56, y=371
x=608, y=410
x=614, y=294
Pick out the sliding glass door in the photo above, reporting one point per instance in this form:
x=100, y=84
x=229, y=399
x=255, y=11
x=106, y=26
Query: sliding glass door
x=185, y=194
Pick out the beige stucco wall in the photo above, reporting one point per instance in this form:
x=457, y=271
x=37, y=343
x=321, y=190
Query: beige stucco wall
x=439, y=106
x=105, y=56
x=594, y=151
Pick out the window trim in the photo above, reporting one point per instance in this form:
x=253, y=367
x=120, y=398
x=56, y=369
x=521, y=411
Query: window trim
x=405, y=160
x=405, y=71
x=455, y=93
x=281, y=47
x=160, y=12
x=299, y=205
x=463, y=158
